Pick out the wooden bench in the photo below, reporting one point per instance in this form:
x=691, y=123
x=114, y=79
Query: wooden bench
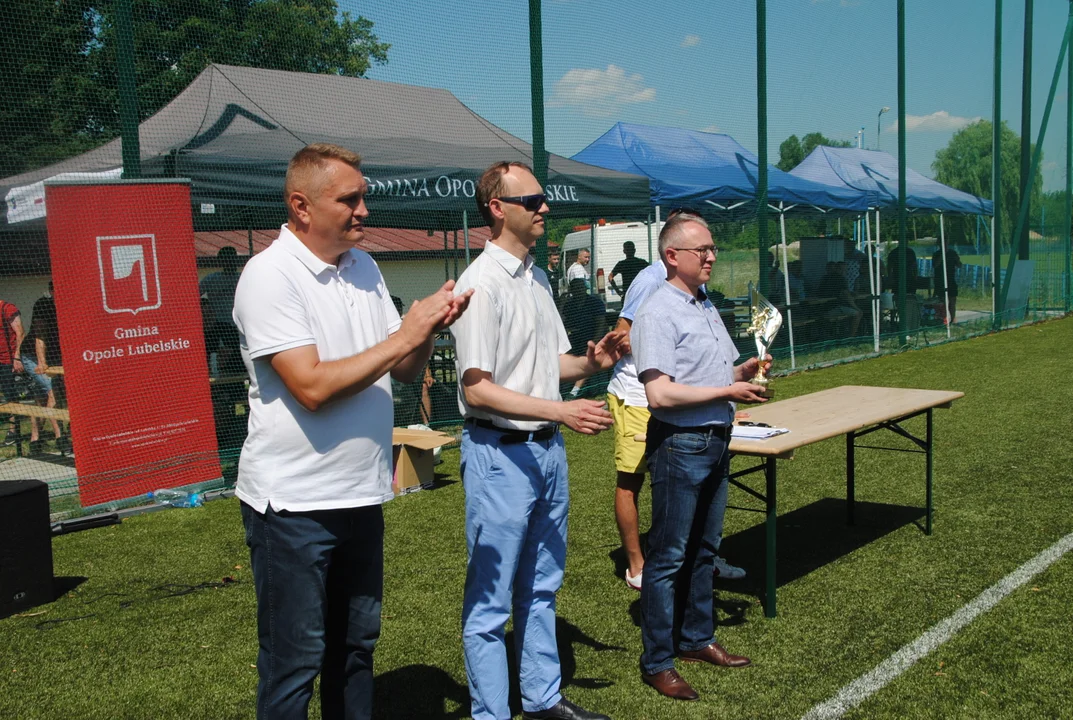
x=34, y=411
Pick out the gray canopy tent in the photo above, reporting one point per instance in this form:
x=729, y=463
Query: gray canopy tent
x=233, y=130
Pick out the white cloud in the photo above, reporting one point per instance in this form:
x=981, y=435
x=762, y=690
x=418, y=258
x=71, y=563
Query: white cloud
x=711, y=129
x=939, y=121
x=600, y=92
x=691, y=41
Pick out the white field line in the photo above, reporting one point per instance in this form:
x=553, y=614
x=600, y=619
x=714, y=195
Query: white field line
x=871, y=682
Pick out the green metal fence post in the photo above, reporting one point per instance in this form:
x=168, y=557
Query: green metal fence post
x=761, y=139
x=128, y=91
x=1026, y=125
x=1066, y=231
x=996, y=161
x=536, y=100
x=903, y=320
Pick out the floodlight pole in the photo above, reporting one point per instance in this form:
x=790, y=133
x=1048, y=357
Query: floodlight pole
x=128, y=91
x=903, y=320
x=761, y=140
x=536, y=96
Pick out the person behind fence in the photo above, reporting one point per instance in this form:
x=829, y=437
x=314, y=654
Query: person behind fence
x=844, y=307
x=554, y=271
x=579, y=269
x=11, y=338
x=512, y=350
x=585, y=319
x=629, y=409
x=947, y=291
x=685, y=358
x=319, y=337
x=628, y=268
x=40, y=351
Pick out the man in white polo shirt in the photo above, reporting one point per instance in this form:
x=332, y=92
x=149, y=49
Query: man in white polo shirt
x=512, y=351
x=319, y=336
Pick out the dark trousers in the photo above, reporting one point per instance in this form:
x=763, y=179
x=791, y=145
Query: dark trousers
x=689, y=495
x=319, y=579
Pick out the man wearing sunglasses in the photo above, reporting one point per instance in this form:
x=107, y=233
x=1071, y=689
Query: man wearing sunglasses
x=685, y=358
x=512, y=352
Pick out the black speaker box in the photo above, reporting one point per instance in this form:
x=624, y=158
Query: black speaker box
x=25, y=546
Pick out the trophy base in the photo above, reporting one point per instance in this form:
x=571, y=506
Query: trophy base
x=764, y=391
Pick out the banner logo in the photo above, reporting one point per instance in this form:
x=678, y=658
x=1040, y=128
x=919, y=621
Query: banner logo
x=130, y=281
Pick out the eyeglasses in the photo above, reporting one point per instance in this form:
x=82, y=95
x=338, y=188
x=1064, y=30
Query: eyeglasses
x=747, y=423
x=702, y=252
x=532, y=203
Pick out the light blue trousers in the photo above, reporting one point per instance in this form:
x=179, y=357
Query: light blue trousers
x=516, y=504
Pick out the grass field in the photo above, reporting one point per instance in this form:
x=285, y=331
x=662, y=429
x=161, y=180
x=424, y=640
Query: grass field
x=150, y=630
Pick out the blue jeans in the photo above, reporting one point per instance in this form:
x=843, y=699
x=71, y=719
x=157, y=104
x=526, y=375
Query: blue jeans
x=689, y=496
x=319, y=579
x=516, y=503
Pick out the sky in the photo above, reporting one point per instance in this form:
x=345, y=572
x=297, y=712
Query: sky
x=831, y=67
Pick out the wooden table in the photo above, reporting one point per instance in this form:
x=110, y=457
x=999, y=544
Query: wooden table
x=851, y=410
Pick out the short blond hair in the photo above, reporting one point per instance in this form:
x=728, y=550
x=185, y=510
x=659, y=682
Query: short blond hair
x=305, y=171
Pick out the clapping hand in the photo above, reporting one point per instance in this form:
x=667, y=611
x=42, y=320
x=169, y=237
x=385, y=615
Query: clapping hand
x=435, y=313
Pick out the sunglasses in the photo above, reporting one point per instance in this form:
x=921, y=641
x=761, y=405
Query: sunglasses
x=683, y=211
x=747, y=423
x=532, y=203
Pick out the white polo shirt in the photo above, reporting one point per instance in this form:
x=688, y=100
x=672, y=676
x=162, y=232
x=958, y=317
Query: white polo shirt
x=511, y=330
x=340, y=455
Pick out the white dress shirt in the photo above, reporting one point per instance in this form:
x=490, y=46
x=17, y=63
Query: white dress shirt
x=511, y=330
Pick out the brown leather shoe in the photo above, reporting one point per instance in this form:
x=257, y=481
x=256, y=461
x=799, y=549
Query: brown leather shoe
x=716, y=655
x=671, y=684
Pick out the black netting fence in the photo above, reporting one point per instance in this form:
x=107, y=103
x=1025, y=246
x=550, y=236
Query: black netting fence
x=143, y=146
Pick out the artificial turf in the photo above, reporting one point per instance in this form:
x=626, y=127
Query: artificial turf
x=162, y=635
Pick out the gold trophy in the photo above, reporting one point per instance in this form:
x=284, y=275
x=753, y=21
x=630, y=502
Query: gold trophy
x=766, y=321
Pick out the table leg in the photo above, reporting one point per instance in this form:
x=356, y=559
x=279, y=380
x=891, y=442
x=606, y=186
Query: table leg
x=769, y=565
x=929, y=454
x=851, y=444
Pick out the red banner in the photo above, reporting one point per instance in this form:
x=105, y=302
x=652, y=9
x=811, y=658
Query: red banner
x=129, y=316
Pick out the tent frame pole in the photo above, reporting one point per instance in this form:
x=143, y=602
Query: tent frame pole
x=786, y=286
x=872, y=283
x=946, y=274
x=465, y=234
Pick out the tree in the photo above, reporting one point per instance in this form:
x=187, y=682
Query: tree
x=793, y=151
x=790, y=154
x=965, y=164
x=65, y=56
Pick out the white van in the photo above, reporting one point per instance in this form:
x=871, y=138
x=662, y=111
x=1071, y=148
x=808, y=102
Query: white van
x=605, y=241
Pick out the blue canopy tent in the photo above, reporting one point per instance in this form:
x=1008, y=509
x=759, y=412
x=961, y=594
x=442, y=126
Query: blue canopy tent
x=715, y=174
x=711, y=171
x=876, y=173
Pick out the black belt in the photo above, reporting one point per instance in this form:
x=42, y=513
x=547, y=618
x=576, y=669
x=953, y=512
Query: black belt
x=513, y=437
x=720, y=431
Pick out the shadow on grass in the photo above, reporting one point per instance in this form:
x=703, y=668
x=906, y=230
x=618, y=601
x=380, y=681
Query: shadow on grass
x=65, y=584
x=419, y=691
x=424, y=691
x=809, y=538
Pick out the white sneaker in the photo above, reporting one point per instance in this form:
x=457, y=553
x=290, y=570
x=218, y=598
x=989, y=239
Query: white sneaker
x=726, y=571
x=634, y=581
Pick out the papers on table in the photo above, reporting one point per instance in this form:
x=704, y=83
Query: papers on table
x=752, y=432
